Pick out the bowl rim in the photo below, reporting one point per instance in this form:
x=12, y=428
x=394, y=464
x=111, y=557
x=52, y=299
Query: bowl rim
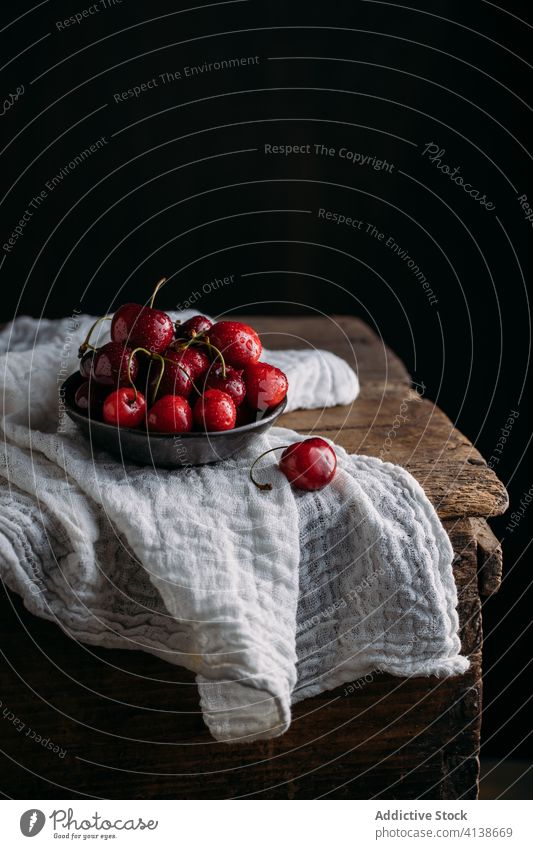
x=66, y=387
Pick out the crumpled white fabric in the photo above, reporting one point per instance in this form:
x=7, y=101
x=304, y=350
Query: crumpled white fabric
x=268, y=597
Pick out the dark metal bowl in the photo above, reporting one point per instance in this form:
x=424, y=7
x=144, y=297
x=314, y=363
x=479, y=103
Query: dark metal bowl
x=165, y=450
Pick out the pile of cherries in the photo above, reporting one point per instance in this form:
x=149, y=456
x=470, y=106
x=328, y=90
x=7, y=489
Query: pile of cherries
x=173, y=378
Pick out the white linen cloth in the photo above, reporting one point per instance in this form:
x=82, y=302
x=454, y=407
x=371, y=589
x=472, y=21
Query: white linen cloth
x=268, y=597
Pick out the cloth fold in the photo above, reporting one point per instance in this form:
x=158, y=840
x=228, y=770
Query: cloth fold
x=268, y=597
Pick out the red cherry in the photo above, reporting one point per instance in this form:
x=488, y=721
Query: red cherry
x=89, y=398
x=110, y=365
x=152, y=329
x=266, y=386
x=195, y=361
x=177, y=378
x=122, y=322
x=215, y=410
x=193, y=326
x=232, y=384
x=124, y=407
x=142, y=327
x=310, y=464
x=148, y=369
x=171, y=414
x=239, y=343
x=86, y=363
x=245, y=415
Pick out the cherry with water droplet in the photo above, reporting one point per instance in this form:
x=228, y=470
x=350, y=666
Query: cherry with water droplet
x=193, y=327
x=89, y=398
x=113, y=364
x=86, y=364
x=215, y=410
x=232, y=382
x=125, y=407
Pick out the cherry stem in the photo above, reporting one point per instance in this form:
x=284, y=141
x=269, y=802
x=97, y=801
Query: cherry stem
x=130, y=360
x=85, y=346
x=162, y=360
x=158, y=286
x=264, y=487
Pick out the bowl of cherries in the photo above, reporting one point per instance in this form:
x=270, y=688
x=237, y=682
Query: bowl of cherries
x=173, y=394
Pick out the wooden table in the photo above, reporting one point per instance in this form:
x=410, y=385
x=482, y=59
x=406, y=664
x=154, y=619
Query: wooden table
x=129, y=726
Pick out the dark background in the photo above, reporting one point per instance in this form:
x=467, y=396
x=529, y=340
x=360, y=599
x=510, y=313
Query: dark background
x=170, y=195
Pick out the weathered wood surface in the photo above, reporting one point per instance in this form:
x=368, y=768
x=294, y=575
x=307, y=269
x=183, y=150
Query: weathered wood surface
x=131, y=725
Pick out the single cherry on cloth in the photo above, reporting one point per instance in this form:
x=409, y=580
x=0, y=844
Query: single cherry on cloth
x=114, y=365
x=309, y=465
x=266, y=386
x=215, y=410
x=143, y=327
x=193, y=326
x=125, y=407
x=233, y=383
x=170, y=414
x=240, y=345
